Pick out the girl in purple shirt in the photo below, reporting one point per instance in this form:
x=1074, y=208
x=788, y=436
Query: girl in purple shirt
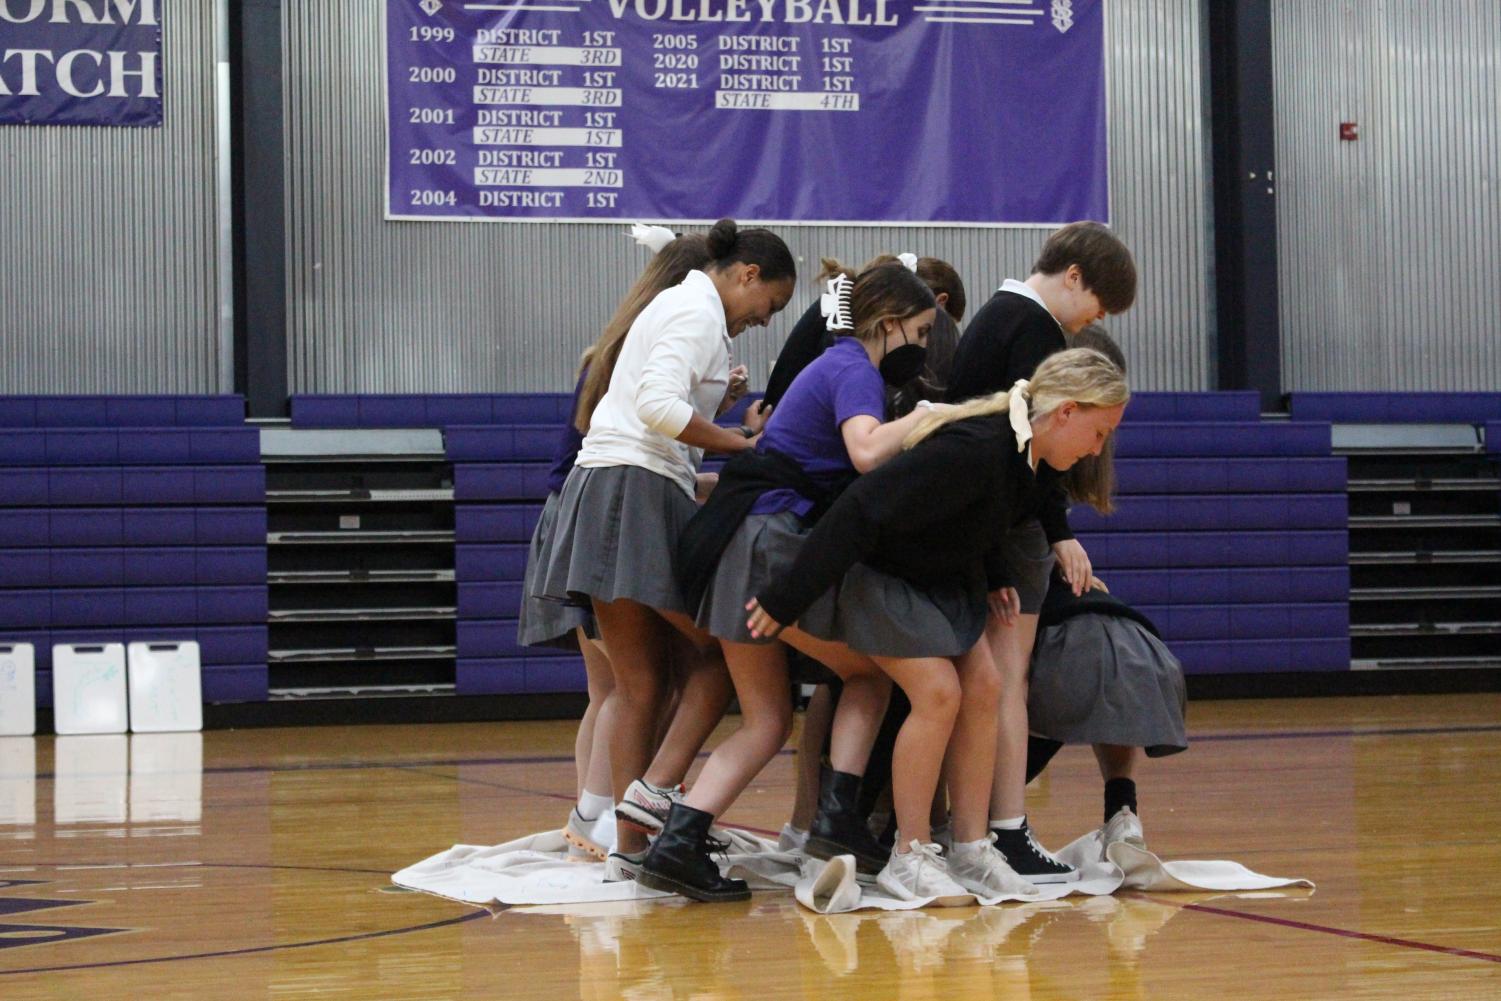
x=828, y=428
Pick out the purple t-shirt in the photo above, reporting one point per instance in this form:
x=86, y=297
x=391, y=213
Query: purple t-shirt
x=840, y=384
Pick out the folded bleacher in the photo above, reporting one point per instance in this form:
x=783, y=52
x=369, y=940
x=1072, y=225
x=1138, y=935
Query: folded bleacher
x=1425, y=524
x=1396, y=408
x=135, y=518
x=1230, y=532
x=501, y=447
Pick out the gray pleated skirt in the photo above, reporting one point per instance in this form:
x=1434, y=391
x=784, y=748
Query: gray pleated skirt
x=869, y=611
x=543, y=622
x=881, y=615
x=1105, y=679
x=1031, y=562
x=616, y=529
x=763, y=546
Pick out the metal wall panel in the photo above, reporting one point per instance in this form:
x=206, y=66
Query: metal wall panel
x=108, y=269
x=1389, y=246
x=378, y=306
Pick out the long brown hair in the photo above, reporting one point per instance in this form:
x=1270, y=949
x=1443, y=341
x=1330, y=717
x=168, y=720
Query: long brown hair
x=939, y=275
x=886, y=292
x=667, y=269
x=1091, y=480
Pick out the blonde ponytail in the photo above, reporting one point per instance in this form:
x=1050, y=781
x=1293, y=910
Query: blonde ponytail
x=1081, y=375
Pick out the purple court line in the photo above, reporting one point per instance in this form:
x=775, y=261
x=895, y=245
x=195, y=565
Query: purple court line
x=558, y=759
x=252, y=949
x=1405, y=943
x=354, y=766
x=462, y=780
x=30, y=863
x=422, y=770
x=1395, y=731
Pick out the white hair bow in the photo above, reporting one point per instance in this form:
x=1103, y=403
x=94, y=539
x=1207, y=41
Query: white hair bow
x=835, y=304
x=1021, y=423
x=653, y=238
x=910, y=260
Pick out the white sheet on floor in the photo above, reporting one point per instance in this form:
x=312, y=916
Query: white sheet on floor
x=536, y=870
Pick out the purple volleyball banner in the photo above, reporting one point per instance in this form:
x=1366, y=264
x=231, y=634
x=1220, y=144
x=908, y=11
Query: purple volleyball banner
x=81, y=62
x=879, y=111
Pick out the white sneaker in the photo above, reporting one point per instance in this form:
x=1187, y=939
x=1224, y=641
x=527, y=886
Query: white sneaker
x=622, y=866
x=589, y=840
x=984, y=871
x=1124, y=826
x=922, y=872
x=791, y=839
x=646, y=808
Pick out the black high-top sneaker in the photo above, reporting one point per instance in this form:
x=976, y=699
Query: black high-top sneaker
x=1031, y=861
x=839, y=829
x=679, y=861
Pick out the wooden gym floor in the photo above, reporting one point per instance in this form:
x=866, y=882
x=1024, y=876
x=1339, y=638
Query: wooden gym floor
x=254, y=865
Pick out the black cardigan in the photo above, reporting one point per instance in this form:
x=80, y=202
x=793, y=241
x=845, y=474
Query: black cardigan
x=932, y=515
x=1005, y=341
x=809, y=338
x=743, y=480
x=1060, y=605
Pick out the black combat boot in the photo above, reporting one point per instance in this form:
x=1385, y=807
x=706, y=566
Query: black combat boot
x=679, y=861
x=839, y=829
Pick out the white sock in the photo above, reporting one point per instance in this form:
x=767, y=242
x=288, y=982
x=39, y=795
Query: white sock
x=592, y=804
x=1008, y=824
x=659, y=790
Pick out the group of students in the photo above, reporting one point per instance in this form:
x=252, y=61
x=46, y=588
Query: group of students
x=893, y=512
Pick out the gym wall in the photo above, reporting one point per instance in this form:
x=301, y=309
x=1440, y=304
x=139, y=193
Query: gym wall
x=1389, y=246
x=108, y=260
x=467, y=307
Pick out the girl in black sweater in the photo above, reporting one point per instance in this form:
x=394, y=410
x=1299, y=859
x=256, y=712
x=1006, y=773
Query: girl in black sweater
x=934, y=521
x=1083, y=273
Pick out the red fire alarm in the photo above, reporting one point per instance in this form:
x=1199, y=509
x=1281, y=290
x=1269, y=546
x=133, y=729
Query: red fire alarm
x=1349, y=131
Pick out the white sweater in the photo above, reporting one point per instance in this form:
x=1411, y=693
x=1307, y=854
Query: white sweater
x=674, y=363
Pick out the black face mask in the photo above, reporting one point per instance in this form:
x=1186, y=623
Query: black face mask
x=901, y=365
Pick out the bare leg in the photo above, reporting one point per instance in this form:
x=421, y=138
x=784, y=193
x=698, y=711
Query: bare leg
x=592, y=748
x=862, y=704
x=1116, y=761
x=759, y=672
x=932, y=686
x=638, y=642
x=1011, y=649
x=969, y=764
x=705, y=696
x=817, y=719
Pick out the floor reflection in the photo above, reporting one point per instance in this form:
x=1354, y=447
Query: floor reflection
x=166, y=777
x=90, y=780
x=106, y=779
x=17, y=788
x=673, y=949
